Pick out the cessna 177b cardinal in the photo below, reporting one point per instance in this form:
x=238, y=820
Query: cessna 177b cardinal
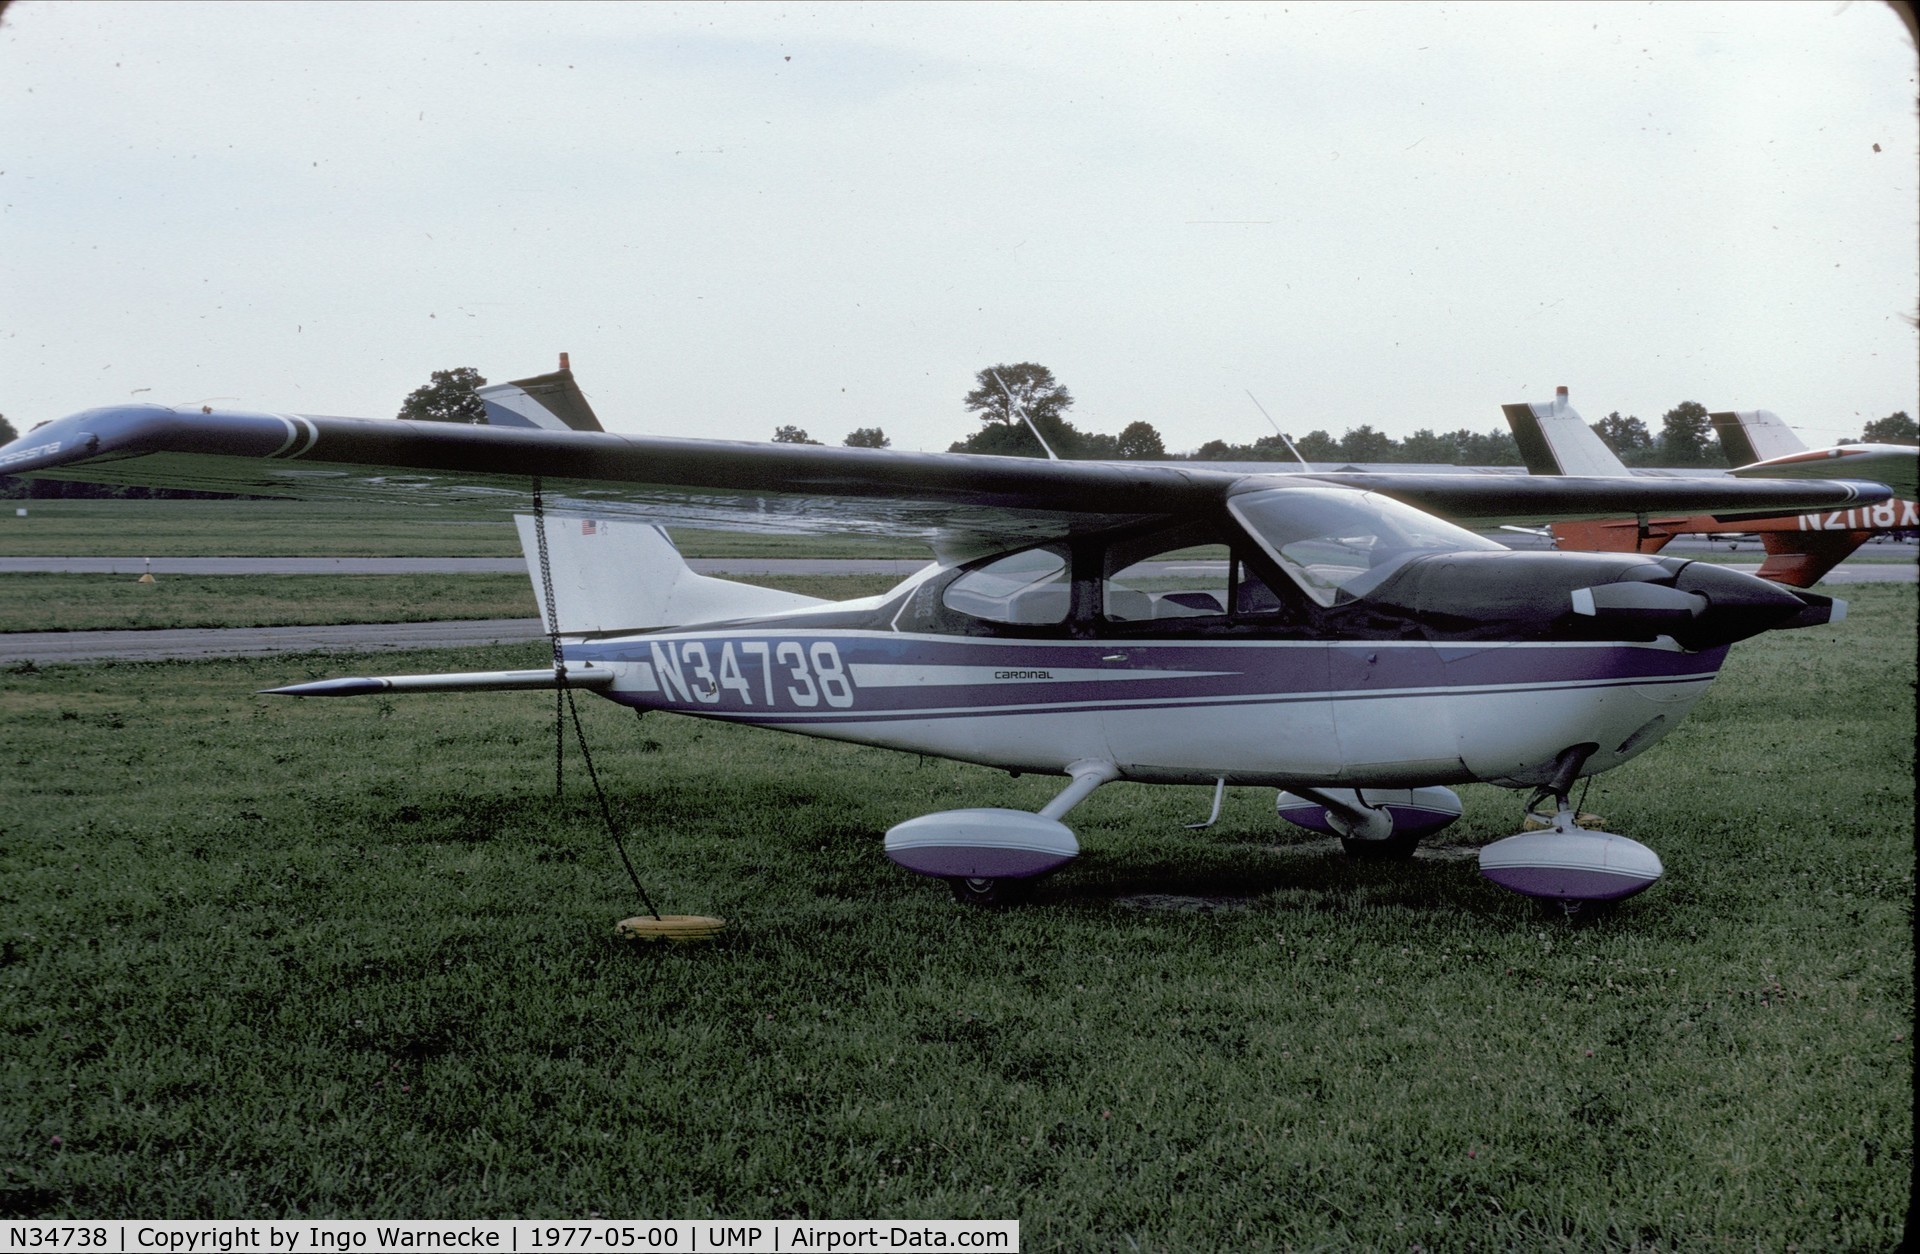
x=1333, y=636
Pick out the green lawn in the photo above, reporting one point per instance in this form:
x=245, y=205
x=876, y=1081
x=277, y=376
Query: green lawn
x=347, y=958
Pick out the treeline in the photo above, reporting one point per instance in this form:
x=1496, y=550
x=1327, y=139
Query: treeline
x=1364, y=444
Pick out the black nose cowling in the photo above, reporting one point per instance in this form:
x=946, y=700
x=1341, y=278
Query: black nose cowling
x=1607, y=596
x=1741, y=605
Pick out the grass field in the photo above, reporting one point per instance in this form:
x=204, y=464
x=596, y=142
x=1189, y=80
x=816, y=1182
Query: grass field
x=348, y=958
x=330, y=529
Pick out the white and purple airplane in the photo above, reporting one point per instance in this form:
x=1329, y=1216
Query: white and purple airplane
x=1338, y=637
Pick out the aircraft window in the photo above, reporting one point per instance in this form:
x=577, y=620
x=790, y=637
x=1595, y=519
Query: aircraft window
x=1186, y=572
x=1029, y=588
x=1182, y=581
x=1339, y=544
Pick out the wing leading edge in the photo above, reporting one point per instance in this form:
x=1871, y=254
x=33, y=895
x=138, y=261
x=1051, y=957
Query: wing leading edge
x=958, y=502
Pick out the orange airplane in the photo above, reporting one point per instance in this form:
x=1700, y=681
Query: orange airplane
x=1800, y=548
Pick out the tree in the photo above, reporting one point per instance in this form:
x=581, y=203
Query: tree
x=1317, y=446
x=1428, y=445
x=1364, y=444
x=792, y=435
x=8, y=435
x=1623, y=435
x=1043, y=400
x=1684, y=432
x=1008, y=441
x=1895, y=428
x=1032, y=384
x=1140, y=442
x=448, y=397
x=1486, y=448
x=867, y=437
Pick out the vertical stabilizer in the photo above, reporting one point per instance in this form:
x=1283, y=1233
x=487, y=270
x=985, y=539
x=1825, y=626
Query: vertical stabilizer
x=550, y=401
x=1755, y=435
x=618, y=575
x=1554, y=440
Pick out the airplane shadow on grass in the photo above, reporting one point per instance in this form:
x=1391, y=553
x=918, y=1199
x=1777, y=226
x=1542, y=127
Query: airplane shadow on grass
x=844, y=859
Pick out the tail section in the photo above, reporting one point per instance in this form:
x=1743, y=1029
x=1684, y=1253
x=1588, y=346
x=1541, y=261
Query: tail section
x=1754, y=435
x=1554, y=441
x=1799, y=559
x=619, y=575
x=551, y=401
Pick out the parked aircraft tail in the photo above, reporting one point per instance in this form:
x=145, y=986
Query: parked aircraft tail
x=1754, y=435
x=621, y=575
x=1555, y=441
x=552, y=401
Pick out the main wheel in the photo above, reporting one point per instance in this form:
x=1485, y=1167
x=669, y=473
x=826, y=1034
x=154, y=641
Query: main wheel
x=977, y=891
x=1396, y=848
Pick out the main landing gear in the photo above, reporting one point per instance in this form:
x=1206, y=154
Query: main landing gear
x=990, y=856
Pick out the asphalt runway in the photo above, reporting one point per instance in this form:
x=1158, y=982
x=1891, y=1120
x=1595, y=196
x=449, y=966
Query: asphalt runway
x=48, y=648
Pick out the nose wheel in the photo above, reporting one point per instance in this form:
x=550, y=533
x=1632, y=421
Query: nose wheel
x=1559, y=861
x=971, y=890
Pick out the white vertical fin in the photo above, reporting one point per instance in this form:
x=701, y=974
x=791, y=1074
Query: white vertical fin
x=619, y=575
x=1554, y=440
x=1755, y=435
x=552, y=402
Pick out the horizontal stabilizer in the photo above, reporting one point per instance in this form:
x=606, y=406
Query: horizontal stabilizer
x=591, y=677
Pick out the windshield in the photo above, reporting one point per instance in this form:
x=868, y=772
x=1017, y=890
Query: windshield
x=1339, y=544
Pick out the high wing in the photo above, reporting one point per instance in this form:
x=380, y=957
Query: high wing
x=960, y=503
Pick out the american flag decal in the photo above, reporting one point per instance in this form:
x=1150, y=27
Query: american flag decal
x=588, y=526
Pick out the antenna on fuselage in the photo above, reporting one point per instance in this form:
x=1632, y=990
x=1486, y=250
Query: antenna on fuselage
x=1020, y=409
x=1277, y=431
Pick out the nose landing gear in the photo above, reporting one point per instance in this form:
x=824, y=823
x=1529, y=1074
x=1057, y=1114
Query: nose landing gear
x=1567, y=862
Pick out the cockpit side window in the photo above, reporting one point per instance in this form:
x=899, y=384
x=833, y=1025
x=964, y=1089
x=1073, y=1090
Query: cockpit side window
x=1185, y=572
x=1030, y=588
x=1339, y=544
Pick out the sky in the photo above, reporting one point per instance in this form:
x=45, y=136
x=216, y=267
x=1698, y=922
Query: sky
x=736, y=217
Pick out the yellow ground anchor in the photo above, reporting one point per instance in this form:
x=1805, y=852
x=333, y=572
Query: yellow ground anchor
x=148, y=576
x=1538, y=823
x=682, y=929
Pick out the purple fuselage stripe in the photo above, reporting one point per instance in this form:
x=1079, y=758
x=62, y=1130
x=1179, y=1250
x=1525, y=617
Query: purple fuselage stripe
x=1153, y=674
